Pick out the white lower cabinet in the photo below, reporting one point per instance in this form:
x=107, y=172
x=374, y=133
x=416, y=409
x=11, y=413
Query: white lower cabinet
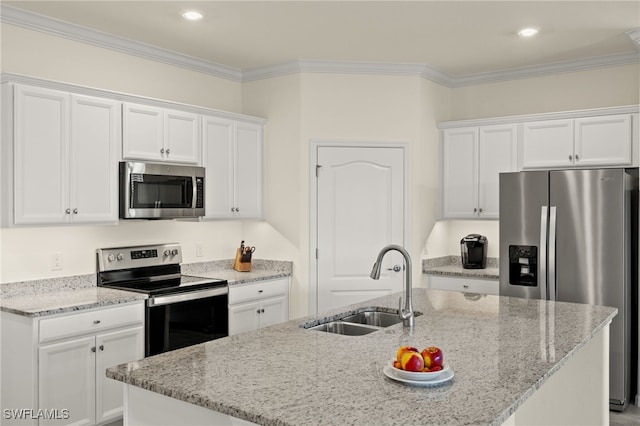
x=256, y=305
x=62, y=363
x=465, y=285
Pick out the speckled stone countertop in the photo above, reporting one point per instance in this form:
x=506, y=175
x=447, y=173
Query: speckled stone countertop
x=286, y=375
x=60, y=295
x=261, y=269
x=74, y=293
x=452, y=266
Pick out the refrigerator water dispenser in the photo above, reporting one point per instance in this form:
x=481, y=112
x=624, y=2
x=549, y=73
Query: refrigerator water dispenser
x=523, y=265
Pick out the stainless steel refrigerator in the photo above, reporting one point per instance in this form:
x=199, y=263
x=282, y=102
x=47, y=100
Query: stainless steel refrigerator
x=571, y=235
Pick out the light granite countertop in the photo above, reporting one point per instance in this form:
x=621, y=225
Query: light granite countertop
x=79, y=292
x=287, y=375
x=452, y=266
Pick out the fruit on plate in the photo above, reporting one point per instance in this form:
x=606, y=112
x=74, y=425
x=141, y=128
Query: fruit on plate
x=429, y=360
x=432, y=357
x=411, y=361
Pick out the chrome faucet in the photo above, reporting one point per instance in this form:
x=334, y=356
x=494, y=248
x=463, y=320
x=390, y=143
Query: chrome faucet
x=406, y=314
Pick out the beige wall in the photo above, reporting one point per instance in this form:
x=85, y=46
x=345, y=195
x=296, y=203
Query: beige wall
x=616, y=86
x=309, y=107
x=55, y=58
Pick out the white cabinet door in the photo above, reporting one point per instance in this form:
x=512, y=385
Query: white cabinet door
x=460, y=173
x=218, y=150
x=67, y=380
x=248, y=170
x=142, y=132
x=603, y=141
x=497, y=153
x=95, y=136
x=547, y=144
x=41, y=156
x=233, y=161
x=182, y=141
x=273, y=311
x=243, y=317
x=113, y=349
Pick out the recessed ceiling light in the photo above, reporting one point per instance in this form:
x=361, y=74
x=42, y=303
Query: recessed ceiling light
x=192, y=15
x=528, y=32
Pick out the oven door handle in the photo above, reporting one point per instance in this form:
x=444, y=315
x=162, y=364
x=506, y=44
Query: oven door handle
x=183, y=297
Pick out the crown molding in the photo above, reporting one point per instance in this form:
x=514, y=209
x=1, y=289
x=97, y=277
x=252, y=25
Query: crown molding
x=56, y=27
x=634, y=36
x=41, y=23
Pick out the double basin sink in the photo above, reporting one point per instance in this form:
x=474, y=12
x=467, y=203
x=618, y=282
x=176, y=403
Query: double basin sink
x=360, y=323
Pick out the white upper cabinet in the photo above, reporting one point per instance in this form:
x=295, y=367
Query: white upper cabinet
x=604, y=141
x=581, y=142
x=547, y=143
x=232, y=156
x=459, y=173
x=95, y=135
x=158, y=134
x=473, y=158
x=65, y=157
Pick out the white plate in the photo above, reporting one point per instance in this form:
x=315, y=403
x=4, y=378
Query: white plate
x=417, y=375
x=444, y=377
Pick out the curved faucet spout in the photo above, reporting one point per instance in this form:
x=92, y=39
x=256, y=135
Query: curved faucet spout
x=406, y=314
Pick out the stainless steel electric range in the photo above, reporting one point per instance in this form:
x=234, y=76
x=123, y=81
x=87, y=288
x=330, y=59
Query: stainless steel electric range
x=181, y=310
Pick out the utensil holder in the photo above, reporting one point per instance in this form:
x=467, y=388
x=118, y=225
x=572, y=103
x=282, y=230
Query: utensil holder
x=238, y=263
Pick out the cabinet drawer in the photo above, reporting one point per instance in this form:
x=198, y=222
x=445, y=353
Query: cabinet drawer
x=91, y=322
x=467, y=285
x=258, y=290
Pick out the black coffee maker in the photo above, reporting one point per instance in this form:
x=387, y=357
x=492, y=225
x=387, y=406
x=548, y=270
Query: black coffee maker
x=473, y=249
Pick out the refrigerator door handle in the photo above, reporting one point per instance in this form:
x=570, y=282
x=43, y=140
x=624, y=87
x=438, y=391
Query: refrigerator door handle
x=552, y=253
x=542, y=261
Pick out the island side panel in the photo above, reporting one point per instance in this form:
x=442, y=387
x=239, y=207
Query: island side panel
x=145, y=408
x=577, y=394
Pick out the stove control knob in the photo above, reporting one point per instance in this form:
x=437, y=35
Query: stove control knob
x=119, y=256
x=174, y=252
x=111, y=257
x=167, y=252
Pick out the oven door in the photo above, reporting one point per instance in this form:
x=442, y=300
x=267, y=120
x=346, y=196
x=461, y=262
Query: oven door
x=156, y=191
x=184, y=319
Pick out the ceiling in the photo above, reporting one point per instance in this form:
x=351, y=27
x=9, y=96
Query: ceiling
x=456, y=38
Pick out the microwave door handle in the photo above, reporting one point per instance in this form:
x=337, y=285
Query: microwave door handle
x=194, y=192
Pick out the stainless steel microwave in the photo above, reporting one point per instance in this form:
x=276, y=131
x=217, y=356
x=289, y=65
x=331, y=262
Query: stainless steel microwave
x=160, y=191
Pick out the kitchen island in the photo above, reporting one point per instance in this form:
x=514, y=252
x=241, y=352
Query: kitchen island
x=515, y=361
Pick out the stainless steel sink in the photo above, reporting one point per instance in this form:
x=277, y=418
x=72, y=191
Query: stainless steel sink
x=360, y=323
x=345, y=328
x=377, y=318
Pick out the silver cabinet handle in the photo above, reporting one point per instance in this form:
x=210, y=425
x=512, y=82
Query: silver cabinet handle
x=93, y=349
x=396, y=268
x=577, y=158
x=570, y=157
x=102, y=347
x=480, y=210
x=161, y=150
x=96, y=322
x=465, y=285
x=167, y=151
x=475, y=209
x=68, y=211
x=75, y=211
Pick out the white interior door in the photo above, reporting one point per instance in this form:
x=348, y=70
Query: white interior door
x=360, y=209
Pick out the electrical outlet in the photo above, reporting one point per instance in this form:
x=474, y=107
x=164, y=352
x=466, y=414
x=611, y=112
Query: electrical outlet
x=56, y=261
x=199, y=250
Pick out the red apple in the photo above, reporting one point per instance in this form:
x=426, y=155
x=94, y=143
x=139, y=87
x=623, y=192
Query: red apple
x=404, y=349
x=432, y=356
x=412, y=361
